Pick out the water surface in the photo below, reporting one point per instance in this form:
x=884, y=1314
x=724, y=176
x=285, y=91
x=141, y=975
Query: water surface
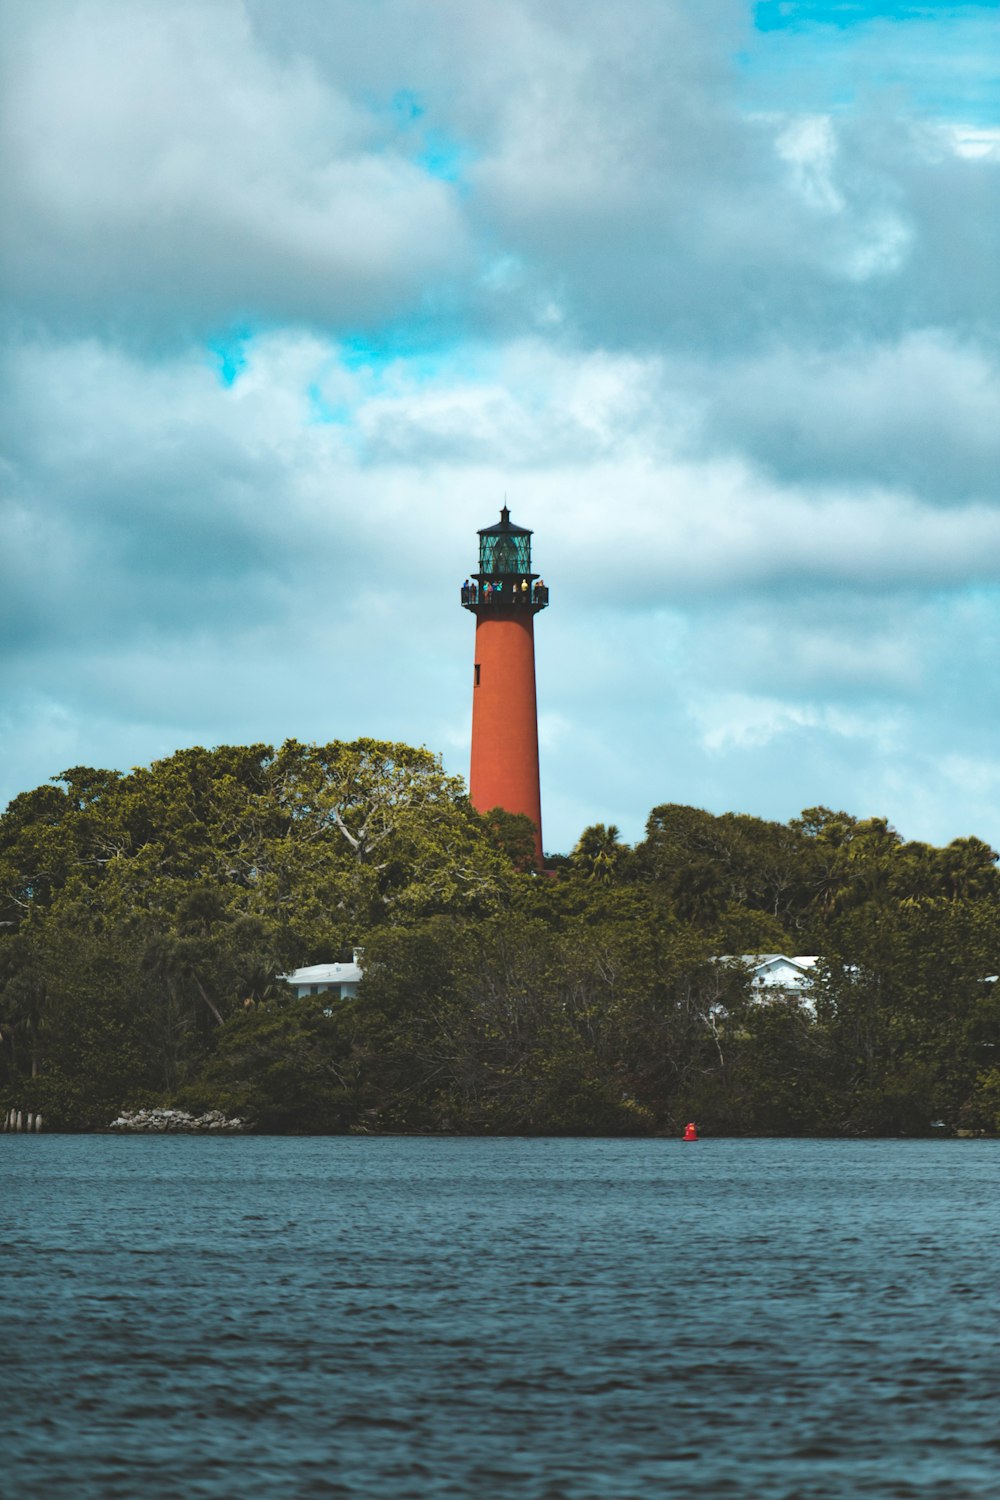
x=260, y=1318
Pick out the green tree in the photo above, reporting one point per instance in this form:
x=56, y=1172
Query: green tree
x=598, y=853
x=514, y=835
x=909, y=1019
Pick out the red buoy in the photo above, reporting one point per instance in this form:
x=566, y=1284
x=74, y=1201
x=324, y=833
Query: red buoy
x=690, y=1131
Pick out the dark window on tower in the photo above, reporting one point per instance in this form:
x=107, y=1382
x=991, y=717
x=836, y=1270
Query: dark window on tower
x=477, y=674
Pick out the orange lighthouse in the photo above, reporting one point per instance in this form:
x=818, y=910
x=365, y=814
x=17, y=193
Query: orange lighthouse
x=505, y=596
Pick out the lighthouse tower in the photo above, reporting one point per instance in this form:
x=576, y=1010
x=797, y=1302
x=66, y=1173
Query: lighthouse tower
x=505, y=596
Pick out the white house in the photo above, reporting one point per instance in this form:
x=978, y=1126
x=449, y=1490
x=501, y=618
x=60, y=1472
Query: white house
x=337, y=980
x=775, y=976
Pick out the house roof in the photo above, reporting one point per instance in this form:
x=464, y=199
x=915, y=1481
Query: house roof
x=777, y=971
x=770, y=960
x=324, y=974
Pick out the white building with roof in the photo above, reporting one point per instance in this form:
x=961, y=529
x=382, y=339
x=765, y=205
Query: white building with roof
x=339, y=981
x=776, y=976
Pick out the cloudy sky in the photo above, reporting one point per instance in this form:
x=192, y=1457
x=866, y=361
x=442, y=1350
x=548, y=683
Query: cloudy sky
x=296, y=291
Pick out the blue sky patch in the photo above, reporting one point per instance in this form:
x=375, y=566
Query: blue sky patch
x=230, y=357
x=358, y=352
x=821, y=55
x=783, y=15
x=407, y=108
x=439, y=154
x=443, y=157
x=426, y=358
x=323, y=411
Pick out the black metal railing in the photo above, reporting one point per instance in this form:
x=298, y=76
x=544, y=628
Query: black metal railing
x=505, y=593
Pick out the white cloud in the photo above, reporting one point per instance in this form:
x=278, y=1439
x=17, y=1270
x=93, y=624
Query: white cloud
x=975, y=141
x=181, y=167
x=162, y=169
x=809, y=146
x=737, y=720
x=918, y=412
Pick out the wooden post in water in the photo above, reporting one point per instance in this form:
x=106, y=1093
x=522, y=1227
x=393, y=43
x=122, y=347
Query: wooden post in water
x=38, y=1123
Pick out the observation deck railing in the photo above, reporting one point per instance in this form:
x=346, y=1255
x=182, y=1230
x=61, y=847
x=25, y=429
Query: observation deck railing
x=505, y=593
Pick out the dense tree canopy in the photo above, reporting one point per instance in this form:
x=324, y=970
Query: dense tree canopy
x=149, y=908
x=146, y=919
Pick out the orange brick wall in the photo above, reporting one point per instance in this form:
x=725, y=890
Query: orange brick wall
x=504, y=771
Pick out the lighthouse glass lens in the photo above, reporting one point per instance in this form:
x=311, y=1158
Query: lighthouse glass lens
x=505, y=554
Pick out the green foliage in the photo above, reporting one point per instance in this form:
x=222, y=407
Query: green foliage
x=507, y=1025
x=708, y=865
x=140, y=912
x=146, y=919
x=981, y=1110
x=276, y=1065
x=911, y=1022
x=514, y=835
x=599, y=854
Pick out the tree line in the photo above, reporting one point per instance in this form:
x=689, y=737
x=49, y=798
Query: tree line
x=145, y=919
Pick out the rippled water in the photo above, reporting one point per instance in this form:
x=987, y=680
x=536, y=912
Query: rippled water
x=188, y=1317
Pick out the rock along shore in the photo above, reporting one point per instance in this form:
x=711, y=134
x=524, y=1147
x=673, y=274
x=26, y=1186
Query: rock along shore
x=177, y=1121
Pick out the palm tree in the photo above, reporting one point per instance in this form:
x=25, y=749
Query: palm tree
x=598, y=852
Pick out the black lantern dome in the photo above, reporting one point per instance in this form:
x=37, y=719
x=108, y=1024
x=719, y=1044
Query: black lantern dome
x=504, y=549
x=505, y=575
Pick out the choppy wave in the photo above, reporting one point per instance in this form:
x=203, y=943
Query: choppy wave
x=245, y=1319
